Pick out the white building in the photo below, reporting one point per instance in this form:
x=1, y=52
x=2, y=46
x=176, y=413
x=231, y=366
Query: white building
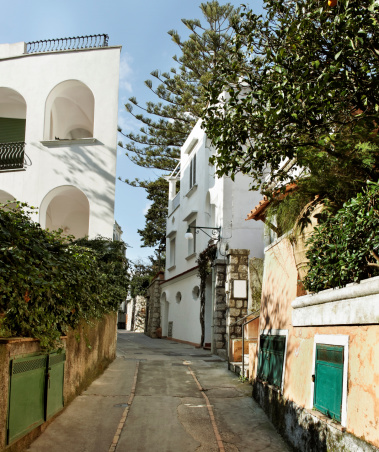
x=204, y=200
x=58, y=131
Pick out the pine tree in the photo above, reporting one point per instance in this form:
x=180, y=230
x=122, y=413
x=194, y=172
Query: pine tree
x=181, y=91
x=181, y=98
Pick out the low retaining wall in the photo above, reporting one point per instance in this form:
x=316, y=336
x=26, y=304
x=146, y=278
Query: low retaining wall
x=89, y=350
x=302, y=429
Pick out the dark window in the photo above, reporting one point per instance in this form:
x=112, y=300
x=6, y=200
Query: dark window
x=271, y=359
x=193, y=171
x=329, y=380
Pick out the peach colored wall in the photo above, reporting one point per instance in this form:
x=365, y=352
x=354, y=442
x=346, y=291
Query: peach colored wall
x=278, y=291
x=252, y=329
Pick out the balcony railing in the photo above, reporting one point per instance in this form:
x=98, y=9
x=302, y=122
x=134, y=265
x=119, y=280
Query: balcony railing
x=12, y=156
x=176, y=201
x=61, y=44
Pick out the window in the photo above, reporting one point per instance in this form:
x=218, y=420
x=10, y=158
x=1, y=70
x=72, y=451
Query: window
x=172, y=252
x=330, y=376
x=192, y=242
x=192, y=172
x=272, y=352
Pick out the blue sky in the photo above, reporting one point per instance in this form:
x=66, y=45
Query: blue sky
x=140, y=27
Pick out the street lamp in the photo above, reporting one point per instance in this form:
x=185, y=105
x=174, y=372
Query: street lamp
x=215, y=234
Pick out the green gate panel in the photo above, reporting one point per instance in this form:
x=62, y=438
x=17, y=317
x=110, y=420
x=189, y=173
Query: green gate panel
x=329, y=380
x=26, y=395
x=55, y=376
x=271, y=359
x=12, y=130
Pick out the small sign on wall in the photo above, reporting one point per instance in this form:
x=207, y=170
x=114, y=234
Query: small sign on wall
x=239, y=288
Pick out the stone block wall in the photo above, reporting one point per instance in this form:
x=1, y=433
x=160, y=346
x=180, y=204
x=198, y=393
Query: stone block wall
x=237, y=269
x=219, y=313
x=153, y=307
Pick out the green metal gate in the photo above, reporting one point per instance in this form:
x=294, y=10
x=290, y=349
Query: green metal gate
x=35, y=392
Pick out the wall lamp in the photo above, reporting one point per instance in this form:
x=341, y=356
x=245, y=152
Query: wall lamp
x=215, y=234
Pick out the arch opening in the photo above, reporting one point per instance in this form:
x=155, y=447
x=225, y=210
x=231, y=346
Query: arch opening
x=66, y=208
x=12, y=116
x=69, y=112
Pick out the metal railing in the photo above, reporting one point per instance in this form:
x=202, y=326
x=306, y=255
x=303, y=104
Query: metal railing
x=61, y=44
x=12, y=156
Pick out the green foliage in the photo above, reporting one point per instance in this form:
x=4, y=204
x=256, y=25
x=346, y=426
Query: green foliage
x=300, y=83
x=49, y=282
x=180, y=98
x=180, y=92
x=345, y=247
x=154, y=233
x=142, y=274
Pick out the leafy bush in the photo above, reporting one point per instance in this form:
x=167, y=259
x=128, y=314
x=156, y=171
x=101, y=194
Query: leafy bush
x=345, y=247
x=49, y=282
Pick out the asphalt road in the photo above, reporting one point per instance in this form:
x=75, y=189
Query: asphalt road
x=162, y=396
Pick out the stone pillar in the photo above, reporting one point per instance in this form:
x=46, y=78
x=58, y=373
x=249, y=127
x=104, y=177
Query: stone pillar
x=139, y=314
x=153, y=311
x=237, y=269
x=219, y=310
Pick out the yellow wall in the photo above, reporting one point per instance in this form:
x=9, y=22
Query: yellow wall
x=279, y=290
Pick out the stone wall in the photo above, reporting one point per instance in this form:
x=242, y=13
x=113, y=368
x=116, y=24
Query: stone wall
x=139, y=314
x=303, y=429
x=153, y=306
x=219, y=313
x=237, y=269
x=89, y=350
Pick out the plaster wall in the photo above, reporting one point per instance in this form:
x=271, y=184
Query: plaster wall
x=278, y=291
x=87, y=164
x=211, y=202
x=185, y=314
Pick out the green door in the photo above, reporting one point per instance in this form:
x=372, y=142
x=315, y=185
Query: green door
x=271, y=359
x=55, y=374
x=329, y=380
x=35, y=392
x=26, y=395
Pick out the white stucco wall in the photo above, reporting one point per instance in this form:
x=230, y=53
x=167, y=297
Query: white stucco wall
x=89, y=165
x=214, y=201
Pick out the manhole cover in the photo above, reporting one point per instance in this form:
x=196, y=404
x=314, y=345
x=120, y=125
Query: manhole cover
x=122, y=405
x=213, y=360
x=176, y=364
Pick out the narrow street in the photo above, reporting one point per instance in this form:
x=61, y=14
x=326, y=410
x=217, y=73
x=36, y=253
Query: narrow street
x=162, y=396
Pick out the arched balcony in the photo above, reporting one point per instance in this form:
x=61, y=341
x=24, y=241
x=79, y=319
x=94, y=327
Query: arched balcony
x=69, y=112
x=12, y=129
x=66, y=208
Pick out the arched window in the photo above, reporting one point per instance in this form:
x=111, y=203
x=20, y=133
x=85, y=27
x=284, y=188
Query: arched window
x=66, y=208
x=69, y=113
x=12, y=116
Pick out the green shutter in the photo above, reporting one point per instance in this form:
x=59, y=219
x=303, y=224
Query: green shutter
x=271, y=359
x=329, y=380
x=12, y=130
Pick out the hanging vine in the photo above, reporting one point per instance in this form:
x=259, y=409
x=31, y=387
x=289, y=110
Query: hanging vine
x=204, y=262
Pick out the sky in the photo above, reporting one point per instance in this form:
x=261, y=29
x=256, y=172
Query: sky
x=140, y=27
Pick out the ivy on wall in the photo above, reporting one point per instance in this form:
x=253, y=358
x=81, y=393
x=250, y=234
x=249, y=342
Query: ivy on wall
x=49, y=282
x=204, y=262
x=345, y=247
